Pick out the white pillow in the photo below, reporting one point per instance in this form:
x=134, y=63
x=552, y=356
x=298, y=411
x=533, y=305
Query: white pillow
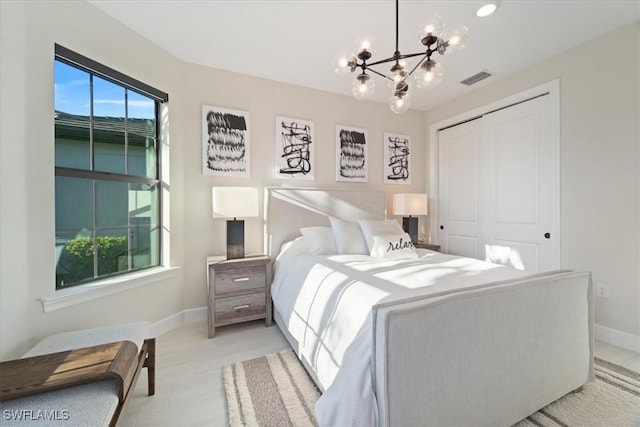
x=372, y=228
x=290, y=250
x=396, y=246
x=348, y=236
x=320, y=240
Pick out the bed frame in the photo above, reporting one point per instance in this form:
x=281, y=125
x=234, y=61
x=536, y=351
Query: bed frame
x=517, y=346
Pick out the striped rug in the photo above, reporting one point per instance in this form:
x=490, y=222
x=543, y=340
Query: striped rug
x=270, y=391
x=275, y=390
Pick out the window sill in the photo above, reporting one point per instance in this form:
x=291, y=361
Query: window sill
x=83, y=293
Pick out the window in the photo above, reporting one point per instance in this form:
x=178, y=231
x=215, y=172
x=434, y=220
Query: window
x=107, y=164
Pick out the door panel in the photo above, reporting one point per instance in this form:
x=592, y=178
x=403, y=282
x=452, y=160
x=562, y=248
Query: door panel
x=459, y=176
x=463, y=245
x=516, y=169
x=516, y=254
x=517, y=150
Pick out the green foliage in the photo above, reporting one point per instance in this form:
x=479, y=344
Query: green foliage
x=76, y=260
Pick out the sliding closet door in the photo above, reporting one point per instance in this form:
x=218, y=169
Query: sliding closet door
x=498, y=186
x=459, y=178
x=520, y=186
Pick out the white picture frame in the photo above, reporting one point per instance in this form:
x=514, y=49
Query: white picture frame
x=397, y=158
x=294, y=148
x=352, y=154
x=226, y=149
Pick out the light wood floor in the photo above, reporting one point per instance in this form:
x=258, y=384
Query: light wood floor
x=189, y=387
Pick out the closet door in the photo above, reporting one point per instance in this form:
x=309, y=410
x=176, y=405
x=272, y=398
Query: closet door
x=519, y=185
x=459, y=177
x=498, y=186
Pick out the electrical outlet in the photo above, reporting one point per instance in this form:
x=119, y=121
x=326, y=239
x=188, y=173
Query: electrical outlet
x=602, y=290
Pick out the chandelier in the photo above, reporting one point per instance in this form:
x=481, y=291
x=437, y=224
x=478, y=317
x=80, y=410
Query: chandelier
x=428, y=72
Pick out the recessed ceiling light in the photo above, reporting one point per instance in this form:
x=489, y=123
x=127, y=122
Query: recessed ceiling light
x=487, y=8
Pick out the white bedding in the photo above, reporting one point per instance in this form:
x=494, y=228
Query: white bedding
x=325, y=303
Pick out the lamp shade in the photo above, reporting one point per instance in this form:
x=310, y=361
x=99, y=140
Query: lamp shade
x=234, y=202
x=410, y=204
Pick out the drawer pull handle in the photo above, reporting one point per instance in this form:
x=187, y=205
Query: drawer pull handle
x=241, y=307
x=241, y=279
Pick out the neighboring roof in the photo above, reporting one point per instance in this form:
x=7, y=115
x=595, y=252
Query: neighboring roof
x=105, y=129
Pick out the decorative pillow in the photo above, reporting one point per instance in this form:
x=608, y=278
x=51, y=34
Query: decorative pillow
x=396, y=246
x=372, y=228
x=320, y=240
x=348, y=236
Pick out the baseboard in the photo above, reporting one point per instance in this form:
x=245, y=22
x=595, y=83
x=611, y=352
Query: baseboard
x=195, y=314
x=178, y=319
x=618, y=338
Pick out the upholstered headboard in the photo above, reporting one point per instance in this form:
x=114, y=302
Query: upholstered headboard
x=289, y=209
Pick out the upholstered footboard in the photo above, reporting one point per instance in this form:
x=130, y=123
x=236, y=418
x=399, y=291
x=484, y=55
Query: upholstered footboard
x=488, y=356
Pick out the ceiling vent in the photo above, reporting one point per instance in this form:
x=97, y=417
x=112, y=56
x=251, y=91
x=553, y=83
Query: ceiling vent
x=476, y=78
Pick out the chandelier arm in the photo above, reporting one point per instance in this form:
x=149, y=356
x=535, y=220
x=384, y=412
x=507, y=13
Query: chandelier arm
x=396, y=58
x=411, y=55
x=380, y=74
x=426, y=56
x=384, y=61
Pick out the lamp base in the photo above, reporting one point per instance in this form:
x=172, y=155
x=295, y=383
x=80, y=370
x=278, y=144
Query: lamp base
x=235, y=239
x=410, y=226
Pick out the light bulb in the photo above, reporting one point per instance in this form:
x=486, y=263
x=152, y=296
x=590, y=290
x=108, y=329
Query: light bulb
x=400, y=103
x=363, y=87
x=429, y=75
x=342, y=64
x=456, y=40
x=431, y=27
x=365, y=44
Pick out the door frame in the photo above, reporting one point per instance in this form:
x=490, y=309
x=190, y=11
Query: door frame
x=552, y=89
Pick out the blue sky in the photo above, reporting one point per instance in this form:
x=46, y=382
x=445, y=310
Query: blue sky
x=72, y=95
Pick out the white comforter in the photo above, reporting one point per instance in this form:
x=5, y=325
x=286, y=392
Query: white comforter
x=325, y=302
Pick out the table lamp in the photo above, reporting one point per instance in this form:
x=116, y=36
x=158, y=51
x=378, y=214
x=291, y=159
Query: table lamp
x=235, y=202
x=408, y=205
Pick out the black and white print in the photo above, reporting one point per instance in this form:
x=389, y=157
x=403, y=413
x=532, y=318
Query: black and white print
x=397, y=159
x=225, y=146
x=294, y=149
x=351, y=154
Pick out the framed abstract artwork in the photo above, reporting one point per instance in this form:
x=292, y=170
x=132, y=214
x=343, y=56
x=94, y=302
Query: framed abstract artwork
x=225, y=142
x=294, y=149
x=352, y=160
x=397, y=159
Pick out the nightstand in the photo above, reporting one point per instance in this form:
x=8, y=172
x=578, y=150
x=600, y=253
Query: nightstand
x=427, y=246
x=239, y=290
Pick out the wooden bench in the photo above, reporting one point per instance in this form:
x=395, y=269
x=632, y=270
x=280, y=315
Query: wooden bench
x=84, y=377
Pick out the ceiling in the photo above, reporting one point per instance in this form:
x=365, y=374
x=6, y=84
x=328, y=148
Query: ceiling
x=296, y=41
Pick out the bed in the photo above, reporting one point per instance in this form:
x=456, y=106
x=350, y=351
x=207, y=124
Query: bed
x=430, y=340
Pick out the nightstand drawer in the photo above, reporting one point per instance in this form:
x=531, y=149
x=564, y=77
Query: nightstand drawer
x=234, y=309
x=238, y=290
x=239, y=279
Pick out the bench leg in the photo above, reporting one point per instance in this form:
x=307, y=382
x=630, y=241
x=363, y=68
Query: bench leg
x=150, y=364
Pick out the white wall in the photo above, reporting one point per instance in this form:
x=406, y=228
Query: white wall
x=600, y=163
x=27, y=270
x=264, y=100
